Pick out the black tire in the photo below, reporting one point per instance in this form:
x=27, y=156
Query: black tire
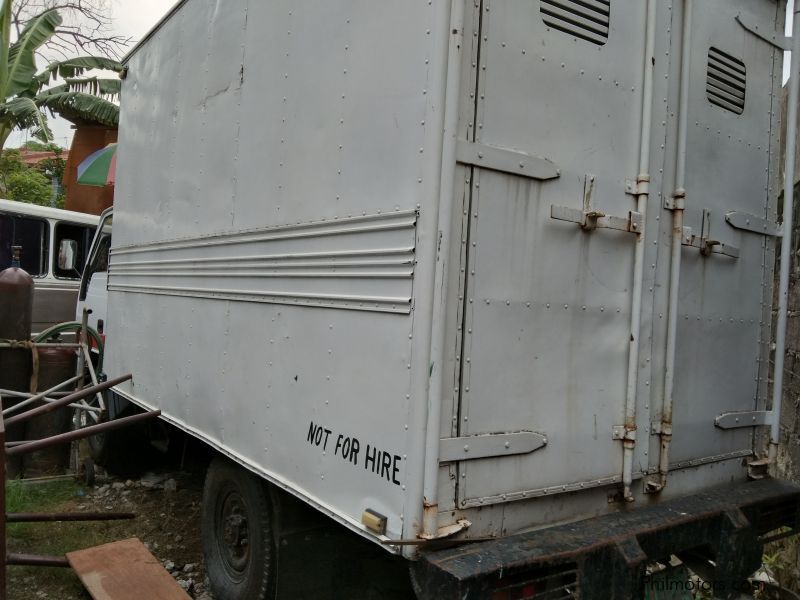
x=124, y=452
x=88, y=472
x=237, y=533
x=118, y=452
x=98, y=448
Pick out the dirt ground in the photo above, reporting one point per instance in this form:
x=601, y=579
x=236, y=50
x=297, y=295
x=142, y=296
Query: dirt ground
x=167, y=501
x=317, y=559
x=168, y=506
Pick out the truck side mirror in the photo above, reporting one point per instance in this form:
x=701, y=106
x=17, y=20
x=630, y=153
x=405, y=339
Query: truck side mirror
x=67, y=252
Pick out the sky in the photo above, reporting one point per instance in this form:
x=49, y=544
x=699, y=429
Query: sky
x=787, y=55
x=132, y=18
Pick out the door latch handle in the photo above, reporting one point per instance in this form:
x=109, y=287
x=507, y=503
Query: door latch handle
x=706, y=245
x=590, y=218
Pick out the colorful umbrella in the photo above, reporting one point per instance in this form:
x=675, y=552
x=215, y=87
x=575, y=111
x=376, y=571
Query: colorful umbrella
x=99, y=168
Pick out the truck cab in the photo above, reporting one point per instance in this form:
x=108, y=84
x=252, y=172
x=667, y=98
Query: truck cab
x=92, y=293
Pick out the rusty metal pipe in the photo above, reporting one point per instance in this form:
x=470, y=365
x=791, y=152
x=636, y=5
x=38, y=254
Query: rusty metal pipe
x=31, y=399
x=67, y=517
x=36, y=560
x=84, y=432
x=679, y=203
x=642, y=197
x=41, y=410
x=15, y=394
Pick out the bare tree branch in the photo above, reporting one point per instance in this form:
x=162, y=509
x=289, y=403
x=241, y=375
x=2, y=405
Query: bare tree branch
x=87, y=27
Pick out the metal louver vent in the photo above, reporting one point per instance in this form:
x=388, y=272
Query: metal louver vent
x=585, y=19
x=726, y=81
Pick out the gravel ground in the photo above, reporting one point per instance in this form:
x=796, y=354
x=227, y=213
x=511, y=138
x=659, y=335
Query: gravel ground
x=167, y=505
x=319, y=560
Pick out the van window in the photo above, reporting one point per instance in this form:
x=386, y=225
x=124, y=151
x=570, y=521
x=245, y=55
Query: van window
x=82, y=235
x=98, y=263
x=32, y=236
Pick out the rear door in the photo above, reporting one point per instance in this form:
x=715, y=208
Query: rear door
x=552, y=128
x=726, y=275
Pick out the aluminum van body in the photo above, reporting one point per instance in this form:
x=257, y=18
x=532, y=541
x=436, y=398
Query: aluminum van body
x=477, y=268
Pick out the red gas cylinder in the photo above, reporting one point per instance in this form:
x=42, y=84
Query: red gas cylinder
x=16, y=301
x=16, y=310
x=55, y=366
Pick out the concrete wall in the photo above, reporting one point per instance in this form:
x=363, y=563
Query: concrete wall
x=789, y=457
x=789, y=454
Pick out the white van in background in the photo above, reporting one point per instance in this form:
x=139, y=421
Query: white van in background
x=47, y=235
x=95, y=297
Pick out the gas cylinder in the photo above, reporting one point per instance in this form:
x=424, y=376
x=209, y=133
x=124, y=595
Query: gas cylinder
x=55, y=366
x=16, y=310
x=16, y=301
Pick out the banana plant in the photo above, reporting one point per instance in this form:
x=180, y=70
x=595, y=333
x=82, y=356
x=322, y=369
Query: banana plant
x=25, y=98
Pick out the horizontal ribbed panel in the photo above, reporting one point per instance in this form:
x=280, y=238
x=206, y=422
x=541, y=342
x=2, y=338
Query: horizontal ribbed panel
x=356, y=263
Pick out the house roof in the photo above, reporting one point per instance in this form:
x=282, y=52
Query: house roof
x=33, y=157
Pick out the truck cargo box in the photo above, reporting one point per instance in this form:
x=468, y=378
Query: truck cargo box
x=454, y=268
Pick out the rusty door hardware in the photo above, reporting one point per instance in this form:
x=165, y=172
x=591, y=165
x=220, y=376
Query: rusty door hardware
x=590, y=218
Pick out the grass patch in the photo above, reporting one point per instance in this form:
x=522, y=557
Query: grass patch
x=28, y=497
x=38, y=497
x=782, y=560
x=55, y=539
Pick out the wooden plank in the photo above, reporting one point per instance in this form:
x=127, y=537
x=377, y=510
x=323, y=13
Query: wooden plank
x=124, y=570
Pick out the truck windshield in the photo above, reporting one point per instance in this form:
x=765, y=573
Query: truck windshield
x=98, y=255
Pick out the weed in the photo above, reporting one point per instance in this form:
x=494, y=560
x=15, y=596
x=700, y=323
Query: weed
x=54, y=539
x=782, y=560
x=40, y=497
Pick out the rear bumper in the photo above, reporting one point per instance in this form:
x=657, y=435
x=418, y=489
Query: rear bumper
x=605, y=558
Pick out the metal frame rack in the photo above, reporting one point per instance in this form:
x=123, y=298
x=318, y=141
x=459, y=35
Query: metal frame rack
x=47, y=404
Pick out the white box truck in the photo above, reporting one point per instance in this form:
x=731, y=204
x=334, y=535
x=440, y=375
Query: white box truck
x=495, y=275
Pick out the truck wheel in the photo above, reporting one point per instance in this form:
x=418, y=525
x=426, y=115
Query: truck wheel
x=237, y=533
x=125, y=452
x=115, y=453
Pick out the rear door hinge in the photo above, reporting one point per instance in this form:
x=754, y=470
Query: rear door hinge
x=506, y=160
x=620, y=432
x=773, y=38
x=638, y=187
x=748, y=222
x=735, y=420
x=490, y=445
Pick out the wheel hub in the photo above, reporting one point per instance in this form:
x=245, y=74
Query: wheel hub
x=235, y=537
